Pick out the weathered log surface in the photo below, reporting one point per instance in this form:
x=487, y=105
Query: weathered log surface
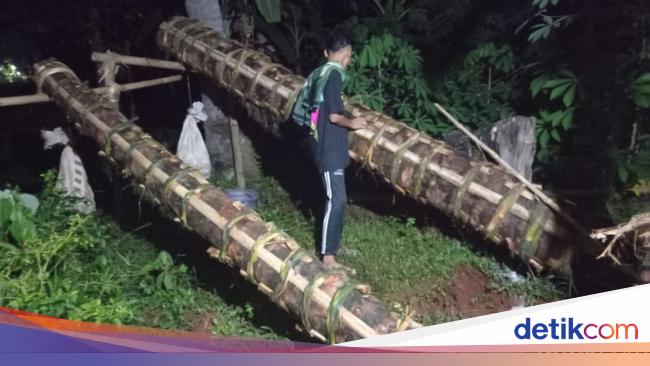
x=482, y=196
x=330, y=305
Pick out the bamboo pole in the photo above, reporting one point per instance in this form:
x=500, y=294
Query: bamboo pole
x=240, y=237
x=43, y=98
x=137, y=61
x=483, y=197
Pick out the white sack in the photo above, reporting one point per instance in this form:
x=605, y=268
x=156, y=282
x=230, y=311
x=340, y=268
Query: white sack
x=73, y=181
x=191, y=147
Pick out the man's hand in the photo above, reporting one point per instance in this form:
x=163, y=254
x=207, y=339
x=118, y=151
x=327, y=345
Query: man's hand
x=354, y=123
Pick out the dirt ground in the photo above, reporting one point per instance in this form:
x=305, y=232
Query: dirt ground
x=467, y=294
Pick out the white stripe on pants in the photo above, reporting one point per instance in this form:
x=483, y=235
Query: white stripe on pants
x=328, y=211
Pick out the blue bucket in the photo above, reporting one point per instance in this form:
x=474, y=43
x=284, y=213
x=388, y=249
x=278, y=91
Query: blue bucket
x=249, y=197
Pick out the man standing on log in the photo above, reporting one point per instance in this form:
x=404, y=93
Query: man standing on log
x=330, y=141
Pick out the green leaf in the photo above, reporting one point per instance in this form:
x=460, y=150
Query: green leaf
x=6, y=209
x=536, y=85
x=568, y=73
x=642, y=100
x=543, y=139
x=556, y=92
x=553, y=83
x=556, y=117
x=556, y=136
x=643, y=79
x=569, y=96
x=270, y=10
x=22, y=228
x=623, y=173
x=29, y=201
x=8, y=247
x=168, y=281
x=567, y=119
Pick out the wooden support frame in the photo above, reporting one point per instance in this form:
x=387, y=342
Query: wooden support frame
x=44, y=98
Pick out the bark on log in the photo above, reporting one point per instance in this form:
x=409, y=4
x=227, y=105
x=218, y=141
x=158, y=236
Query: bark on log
x=330, y=304
x=481, y=196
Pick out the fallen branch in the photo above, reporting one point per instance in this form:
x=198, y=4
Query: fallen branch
x=635, y=231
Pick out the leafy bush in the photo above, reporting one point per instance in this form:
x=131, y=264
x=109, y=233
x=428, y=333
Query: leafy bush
x=85, y=267
x=478, y=92
x=386, y=74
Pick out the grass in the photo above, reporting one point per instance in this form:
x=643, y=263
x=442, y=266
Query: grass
x=85, y=267
x=393, y=254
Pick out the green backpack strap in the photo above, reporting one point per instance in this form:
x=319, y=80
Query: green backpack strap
x=311, y=93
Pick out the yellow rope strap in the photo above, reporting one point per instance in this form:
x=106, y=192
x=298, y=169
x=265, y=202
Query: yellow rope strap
x=195, y=39
x=261, y=241
x=462, y=189
x=76, y=93
x=186, y=199
x=334, y=310
x=182, y=40
x=422, y=169
x=291, y=100
x=118, y=128
x=315, y=283
x=287, y=266
x=222, y=66
x=502, y=211
x=373, y=143
x=534, y=231
x=256, y=79
x=42, y=75
x=184, y=32
x=134, y=145
x=151, y=167
x=206, y=56
x=167, y=186
x=225, y=238
x=399, y=155
x=405, y=319
x=274, y=93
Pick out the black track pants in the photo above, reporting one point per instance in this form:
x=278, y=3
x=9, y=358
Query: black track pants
x=334, y=183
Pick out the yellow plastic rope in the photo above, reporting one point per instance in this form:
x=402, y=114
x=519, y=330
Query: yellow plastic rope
x=333, y=312
x=503, y=209
x=263, y=240
x=287, y=266
x=399, y=156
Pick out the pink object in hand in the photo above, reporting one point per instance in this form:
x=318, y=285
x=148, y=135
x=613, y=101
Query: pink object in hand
x=314, y=117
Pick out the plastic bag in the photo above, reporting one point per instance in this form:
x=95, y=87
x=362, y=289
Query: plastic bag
x=54, y=137
x=72, y=178
x=191, y=147
x=73, y=181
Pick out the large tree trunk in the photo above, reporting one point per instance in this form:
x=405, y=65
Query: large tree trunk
x=217, y=127
x=330, y=304
x=480, y=195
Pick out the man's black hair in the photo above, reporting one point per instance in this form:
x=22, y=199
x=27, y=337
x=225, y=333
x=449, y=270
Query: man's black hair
x=336, y=41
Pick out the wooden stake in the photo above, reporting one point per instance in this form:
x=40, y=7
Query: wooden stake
x=136, y=61
x=536, y=191
x=236, y=153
